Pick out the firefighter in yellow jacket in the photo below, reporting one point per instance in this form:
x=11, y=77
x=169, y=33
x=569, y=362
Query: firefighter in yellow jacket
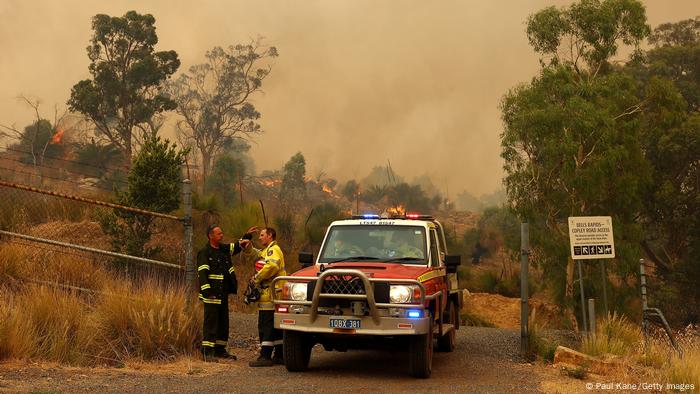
x=270, y=262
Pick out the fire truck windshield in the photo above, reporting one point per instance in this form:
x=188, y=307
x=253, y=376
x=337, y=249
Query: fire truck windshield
x=399, y=244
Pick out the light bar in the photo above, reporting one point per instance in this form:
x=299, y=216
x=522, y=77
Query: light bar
x=366, y=216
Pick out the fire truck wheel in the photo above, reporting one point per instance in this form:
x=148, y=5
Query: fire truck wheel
x=421, y=354
x=446, y=343
x=297, y=351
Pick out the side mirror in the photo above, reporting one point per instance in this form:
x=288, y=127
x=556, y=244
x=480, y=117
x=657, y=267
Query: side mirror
x=306, y=259
x=452, y=261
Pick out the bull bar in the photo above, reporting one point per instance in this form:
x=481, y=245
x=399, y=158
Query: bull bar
x=382, y=326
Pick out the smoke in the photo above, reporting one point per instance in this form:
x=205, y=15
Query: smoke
x=357, y=82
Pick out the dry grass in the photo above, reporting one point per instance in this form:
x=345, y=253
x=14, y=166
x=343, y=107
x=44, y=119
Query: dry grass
x=115, y=322
x=656, y=359
x=147, y=321
x=614, y=335
x=686, y=369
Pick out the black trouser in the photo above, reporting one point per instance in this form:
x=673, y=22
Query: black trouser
x=215, y=326
x=270, y=337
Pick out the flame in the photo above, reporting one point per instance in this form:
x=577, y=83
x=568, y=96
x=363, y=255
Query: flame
x=270, y=182
x=56, y=139
x=397, y=210
x=326, y=189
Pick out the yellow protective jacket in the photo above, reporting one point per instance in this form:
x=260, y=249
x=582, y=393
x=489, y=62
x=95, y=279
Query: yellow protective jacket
x=274, y=266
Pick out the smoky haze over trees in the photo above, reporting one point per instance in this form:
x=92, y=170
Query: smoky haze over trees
x=213, y=98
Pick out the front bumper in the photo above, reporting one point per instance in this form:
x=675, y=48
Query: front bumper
x=377, y=321
x=321, y=325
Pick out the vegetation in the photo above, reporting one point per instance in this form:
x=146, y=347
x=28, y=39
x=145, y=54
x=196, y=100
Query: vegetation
x=125, y=91
x=214, y=98
x=109, y=322
x=154, y=184
x=583, y=118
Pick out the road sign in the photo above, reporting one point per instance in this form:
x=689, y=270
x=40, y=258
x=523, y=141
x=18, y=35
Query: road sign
x=591, y=237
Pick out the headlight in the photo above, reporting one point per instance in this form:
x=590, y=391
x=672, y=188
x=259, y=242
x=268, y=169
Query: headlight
x=297, y=291
x=400, y=294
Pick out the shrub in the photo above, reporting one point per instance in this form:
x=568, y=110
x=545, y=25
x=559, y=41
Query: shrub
x=614, y=335
x=147, y=321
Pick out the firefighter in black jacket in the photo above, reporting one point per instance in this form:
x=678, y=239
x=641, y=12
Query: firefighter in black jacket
x=217, y=279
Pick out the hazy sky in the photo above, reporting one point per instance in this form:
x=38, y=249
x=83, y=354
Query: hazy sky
x=357, y=82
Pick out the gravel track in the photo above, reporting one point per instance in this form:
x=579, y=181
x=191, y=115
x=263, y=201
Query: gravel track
x=486, y=361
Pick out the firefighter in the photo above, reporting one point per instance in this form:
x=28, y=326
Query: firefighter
x=217, y=279
x=269, y=265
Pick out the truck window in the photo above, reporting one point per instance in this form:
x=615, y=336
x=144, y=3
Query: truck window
x=375, y=243
x=435, y=258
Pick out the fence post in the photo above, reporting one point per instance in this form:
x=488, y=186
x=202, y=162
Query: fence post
x=591, y=317
x=524, y=310
x=583, y=296
x=187, y=242
x=643, y=287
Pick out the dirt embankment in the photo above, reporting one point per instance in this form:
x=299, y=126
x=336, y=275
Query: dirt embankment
x=504, y=312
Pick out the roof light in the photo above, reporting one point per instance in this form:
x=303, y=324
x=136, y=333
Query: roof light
x=370, y=216
x=412, y=215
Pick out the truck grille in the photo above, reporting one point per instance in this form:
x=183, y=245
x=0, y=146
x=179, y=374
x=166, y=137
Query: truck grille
x=343, y=285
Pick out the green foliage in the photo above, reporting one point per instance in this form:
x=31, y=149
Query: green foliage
x=319, y=220
x=572, y=140
x=293, y=190
x=671, y=140
x=285, y=226
x=224, y=180
x=36, y=143
x=154, y=184
x=213, y=98
x=499, y=228
x=538, y=344
x=380, y=176
x=614, y=335
x=350, y=190
x=127, y=76
x=100, y=161
x=588, y=30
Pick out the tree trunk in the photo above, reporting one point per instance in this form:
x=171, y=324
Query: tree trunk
x=206, y=166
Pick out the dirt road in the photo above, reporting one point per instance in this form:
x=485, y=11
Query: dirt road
x=486, y=360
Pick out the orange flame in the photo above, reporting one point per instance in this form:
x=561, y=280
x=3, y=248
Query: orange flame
x=397, y=210
x=327, y=189
x=270, y=182
x=56, y=139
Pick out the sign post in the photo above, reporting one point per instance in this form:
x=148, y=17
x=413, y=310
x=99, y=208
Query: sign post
x=591, y=238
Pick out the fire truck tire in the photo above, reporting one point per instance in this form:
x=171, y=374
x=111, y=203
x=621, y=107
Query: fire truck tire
x=297, y=351
x=446, y=343
x=420, y=351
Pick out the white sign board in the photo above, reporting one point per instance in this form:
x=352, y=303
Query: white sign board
x=591, y=237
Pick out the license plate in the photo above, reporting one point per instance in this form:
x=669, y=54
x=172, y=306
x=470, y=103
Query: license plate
x=344, y=323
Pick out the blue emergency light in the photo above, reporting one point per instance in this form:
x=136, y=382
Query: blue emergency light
x=414, y=314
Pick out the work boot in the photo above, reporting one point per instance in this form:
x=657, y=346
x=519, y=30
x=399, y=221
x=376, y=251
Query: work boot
x=208, y=355
x=278, y=358
x=262, y=361
x=222, y=353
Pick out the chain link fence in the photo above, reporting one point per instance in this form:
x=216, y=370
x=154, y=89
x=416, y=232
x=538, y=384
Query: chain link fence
x=122, y=238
